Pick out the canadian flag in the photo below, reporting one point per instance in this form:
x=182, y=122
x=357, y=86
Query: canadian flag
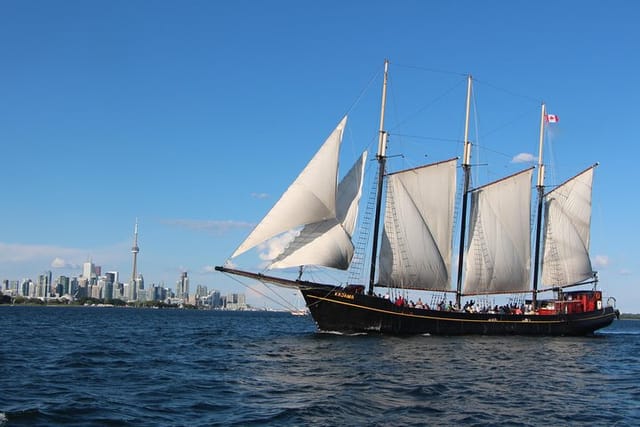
x=552, y=118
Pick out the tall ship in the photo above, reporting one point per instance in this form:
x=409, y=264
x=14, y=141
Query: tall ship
x=411, y=246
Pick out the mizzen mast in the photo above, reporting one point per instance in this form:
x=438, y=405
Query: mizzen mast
x=466, y=167
x=382, y=159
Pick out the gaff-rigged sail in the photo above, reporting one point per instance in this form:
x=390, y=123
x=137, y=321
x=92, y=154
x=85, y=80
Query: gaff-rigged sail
x=311, y=198
x=415, y=252
x=566, y=238
x=499, y=249
x=328, y=243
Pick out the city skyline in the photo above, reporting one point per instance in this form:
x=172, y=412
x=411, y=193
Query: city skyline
x=108, y=287
x=189, y=117
x=91, y=284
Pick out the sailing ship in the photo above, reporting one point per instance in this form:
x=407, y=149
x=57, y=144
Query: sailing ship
x=412, y=247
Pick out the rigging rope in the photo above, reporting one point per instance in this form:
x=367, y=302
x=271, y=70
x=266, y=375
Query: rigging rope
x=363, y=91
x=286, y=304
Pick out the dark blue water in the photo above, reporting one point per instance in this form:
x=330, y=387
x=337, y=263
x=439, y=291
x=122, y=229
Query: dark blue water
x=118, y=366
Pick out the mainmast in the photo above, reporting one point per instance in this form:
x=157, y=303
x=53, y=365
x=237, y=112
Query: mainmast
x=382, y=159
x=466, y=167
x=540, y=188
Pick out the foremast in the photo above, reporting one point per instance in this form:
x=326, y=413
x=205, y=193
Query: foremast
x=466, y=167
x=540, y=189
x=382, y=160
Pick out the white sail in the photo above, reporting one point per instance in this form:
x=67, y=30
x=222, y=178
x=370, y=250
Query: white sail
x=499, y=248
x=566, y=239
x=328, y=242
x=349, y=193
x=415, y=252
x=311, y=197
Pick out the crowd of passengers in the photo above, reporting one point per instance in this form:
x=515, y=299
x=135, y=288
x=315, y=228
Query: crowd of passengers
x=469, y=306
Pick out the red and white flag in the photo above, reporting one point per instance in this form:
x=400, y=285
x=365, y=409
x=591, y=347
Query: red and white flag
x=552, y=118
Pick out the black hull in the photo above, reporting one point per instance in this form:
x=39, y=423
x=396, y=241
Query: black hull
x=339, y=311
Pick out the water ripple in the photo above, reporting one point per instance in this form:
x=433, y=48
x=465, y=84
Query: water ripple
x=109, y=366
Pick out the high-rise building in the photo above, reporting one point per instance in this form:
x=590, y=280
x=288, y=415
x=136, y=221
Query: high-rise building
x=182, y=287
x=43, y=288
x=236, y=302
x=73, y=287
x=32, y=289
x=24, y=288
x=111, y=276
x=62, y=287
x=216, y=300
x=88, y=270
x=106, y=287
x=82, y=289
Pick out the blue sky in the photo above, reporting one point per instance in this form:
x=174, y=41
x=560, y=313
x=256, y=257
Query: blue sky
x=194, y=116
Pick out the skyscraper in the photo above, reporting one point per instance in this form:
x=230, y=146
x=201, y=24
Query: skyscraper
x=88, y=270
x=182, y=287
x=43, y=288
x=134, y=250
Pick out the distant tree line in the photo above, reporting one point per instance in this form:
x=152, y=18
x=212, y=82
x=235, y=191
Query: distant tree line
x=630, y=316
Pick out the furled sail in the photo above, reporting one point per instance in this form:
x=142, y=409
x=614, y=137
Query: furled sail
x=567, y=224
x=499, y=249
x=328, y=242
x=311, y=197
x=415, y=252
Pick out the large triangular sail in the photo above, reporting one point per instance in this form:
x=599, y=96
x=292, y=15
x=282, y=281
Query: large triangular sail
x=311, y=197
x=328, y=243
x=566, y=238
x=499, y=250
x=415, y=251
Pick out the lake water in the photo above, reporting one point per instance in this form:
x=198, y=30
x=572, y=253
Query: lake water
x=116, y=366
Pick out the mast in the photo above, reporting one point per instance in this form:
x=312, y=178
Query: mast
x=382, y=159
x=466, y=167
x=540, y=188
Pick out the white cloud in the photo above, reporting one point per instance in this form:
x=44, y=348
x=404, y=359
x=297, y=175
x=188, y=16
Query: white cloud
x=58, y=263
x=61, y=263
x=524, y=158
x=601, y=261
x=274, y=247
x=260, y=195
x=213, y=226
x=18, y=259
x=625, y=272
x=212, y=269
x=16, y=252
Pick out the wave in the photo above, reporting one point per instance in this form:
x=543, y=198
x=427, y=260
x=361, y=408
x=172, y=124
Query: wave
x=618, y=332
x=197, y=368
x=344, y=334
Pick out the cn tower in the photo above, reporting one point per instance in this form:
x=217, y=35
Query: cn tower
x=134, y=250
